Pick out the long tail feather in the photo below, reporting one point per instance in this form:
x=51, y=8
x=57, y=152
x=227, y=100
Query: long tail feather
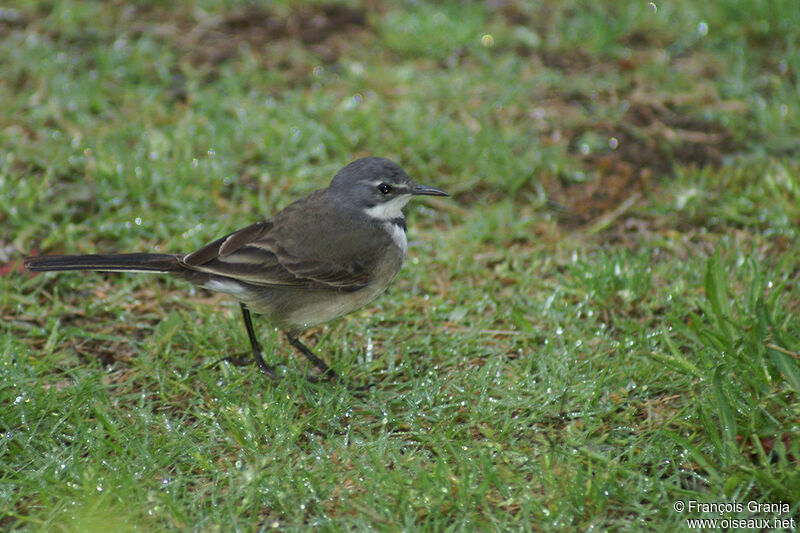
x=112, y=262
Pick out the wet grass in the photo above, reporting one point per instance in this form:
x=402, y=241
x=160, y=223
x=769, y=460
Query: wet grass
x=601, y=321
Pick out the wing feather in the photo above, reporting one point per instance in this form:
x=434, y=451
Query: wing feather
x=254, y=256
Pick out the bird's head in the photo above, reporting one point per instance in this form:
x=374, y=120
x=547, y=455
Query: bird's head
x=379, y=187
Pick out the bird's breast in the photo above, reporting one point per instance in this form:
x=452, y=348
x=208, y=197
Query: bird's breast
x=397, y=231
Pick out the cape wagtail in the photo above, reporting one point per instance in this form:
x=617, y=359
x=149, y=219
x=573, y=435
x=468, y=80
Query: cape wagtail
x=319, y=258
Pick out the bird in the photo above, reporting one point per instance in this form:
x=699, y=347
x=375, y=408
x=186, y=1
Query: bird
x=320, y=258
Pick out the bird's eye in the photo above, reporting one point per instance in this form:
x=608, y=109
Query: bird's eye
x=385, y=188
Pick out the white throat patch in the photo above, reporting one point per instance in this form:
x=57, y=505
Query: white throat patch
x=389, y=210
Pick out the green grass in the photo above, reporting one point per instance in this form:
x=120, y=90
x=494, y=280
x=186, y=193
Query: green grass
x=575, y=368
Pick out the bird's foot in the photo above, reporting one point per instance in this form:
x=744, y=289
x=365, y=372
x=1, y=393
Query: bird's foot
x=245, y=361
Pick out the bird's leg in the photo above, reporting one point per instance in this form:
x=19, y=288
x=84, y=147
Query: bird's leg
x=257, y=350
x=324, y=369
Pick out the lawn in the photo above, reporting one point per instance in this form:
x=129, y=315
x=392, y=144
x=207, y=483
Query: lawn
x=601, y=324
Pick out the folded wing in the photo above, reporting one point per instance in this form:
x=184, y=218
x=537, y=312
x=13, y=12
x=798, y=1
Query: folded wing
x=254, y=255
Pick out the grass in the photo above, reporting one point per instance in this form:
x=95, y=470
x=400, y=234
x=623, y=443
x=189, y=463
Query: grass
x=601, y=321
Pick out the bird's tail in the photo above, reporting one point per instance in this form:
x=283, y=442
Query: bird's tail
x=110, y=263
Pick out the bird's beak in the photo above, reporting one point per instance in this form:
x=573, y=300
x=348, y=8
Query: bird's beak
x=424, y=190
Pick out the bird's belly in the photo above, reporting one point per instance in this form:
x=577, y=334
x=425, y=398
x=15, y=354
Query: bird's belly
x=318, y=311
x=295, y=310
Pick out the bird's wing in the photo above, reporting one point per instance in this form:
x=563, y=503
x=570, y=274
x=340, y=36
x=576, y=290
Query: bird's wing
x=257, y=254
